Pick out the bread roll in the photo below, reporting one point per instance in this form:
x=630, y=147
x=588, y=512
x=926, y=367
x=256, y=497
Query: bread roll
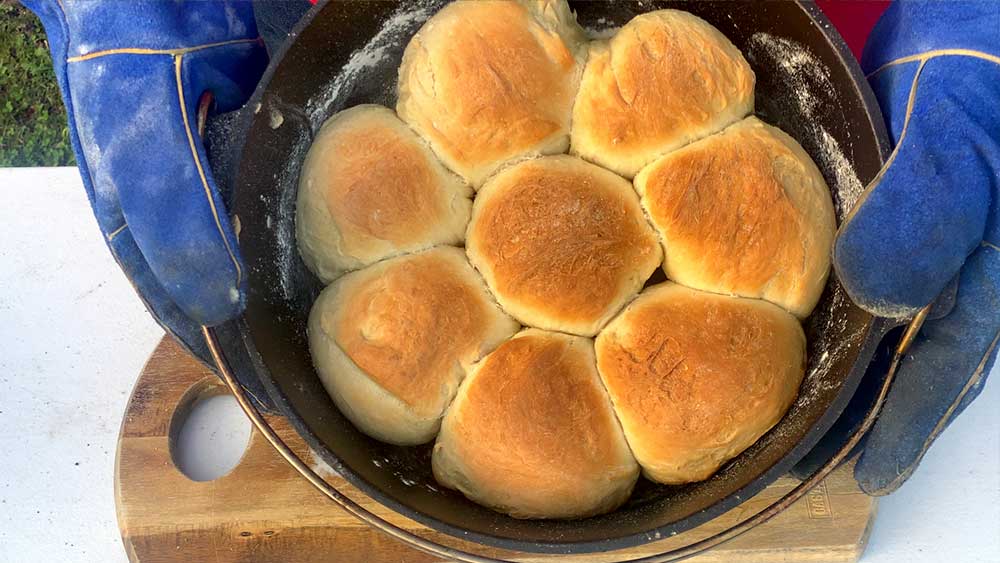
x=391, y=342
x=665, y=79
x=562, y=243
x=697, y=377
x=371, y=189
x=487, y=81
x=531, y=432
x=745, y=212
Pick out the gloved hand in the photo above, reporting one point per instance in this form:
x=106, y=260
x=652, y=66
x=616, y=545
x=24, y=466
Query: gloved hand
x=131, y=76
x=929, y=217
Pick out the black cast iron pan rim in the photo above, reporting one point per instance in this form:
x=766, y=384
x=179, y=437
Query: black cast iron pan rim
x=874, y=333
x=671, y=555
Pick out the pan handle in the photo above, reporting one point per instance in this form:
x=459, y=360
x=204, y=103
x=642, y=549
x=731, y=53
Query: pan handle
x=454, y=554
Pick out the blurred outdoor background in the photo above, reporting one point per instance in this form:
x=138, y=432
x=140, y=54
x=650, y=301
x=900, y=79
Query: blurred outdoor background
x=32, y=119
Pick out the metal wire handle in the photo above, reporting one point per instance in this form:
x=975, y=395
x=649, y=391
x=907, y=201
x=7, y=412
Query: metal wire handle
x=455, y=554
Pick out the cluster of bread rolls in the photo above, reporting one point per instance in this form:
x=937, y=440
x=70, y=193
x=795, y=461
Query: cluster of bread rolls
x=548, y=375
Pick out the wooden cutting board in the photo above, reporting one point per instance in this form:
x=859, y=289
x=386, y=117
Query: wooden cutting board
x=263, y=511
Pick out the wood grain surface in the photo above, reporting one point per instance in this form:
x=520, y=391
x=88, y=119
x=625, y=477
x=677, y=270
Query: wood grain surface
x=263, y=511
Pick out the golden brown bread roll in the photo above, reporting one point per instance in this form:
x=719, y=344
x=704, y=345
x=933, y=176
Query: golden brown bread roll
x=488, y=81
x=391, y=341
x=665, y=79
x=532, y=433
x=562, y=243
x=745, y=212
x=371, y=189
x=696, y=377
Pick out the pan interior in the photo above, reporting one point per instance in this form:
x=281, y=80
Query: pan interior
x=348, y=55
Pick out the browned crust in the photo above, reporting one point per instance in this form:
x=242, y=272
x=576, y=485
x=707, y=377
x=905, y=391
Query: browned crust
x=488, y=81
x=744, y=212
x=562, y=243
x=371, y=189
x=532, y=432
x=665, y=79
x=380, y=186
x=696, y=377
x=416, y=322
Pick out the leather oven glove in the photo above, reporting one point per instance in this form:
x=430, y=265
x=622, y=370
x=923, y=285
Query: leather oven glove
x=131, y=76
x=929, y=218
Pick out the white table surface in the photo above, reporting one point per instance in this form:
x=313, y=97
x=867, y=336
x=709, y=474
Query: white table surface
x=74, y=337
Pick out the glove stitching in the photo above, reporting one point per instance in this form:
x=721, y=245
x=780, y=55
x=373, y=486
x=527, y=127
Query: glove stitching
x=910, y=102
x=111, y=236
x=933, y=54
x=177, y=54
x=178, y=60
x=974, y=379
x=173, y=52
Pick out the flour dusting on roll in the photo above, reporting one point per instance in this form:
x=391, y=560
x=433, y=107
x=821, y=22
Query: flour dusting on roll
x=493, y=294
x=696, y=377
x=532, y=433
x=489, y=81
x=371, y=189
x=562, y=243
x=745, y=212
x=391, y=342
x=663, y=80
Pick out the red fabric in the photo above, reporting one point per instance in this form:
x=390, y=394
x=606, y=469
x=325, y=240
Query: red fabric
x=854, y=19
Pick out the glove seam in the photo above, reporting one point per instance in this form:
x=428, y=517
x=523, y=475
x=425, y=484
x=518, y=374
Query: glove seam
x=178, y=60
x=180, y=51
x=936, y=53
x=111, y=236
x=945, y=418
x=910, y=103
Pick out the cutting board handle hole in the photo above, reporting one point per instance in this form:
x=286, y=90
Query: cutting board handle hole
x=208, y=432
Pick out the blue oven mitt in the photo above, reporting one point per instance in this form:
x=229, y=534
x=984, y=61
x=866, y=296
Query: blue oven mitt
x=931, y=216
x=131, y=75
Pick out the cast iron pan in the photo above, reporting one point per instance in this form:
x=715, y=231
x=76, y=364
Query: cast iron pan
x=346, y=53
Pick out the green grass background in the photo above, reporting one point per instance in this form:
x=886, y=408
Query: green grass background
x=32, y=118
